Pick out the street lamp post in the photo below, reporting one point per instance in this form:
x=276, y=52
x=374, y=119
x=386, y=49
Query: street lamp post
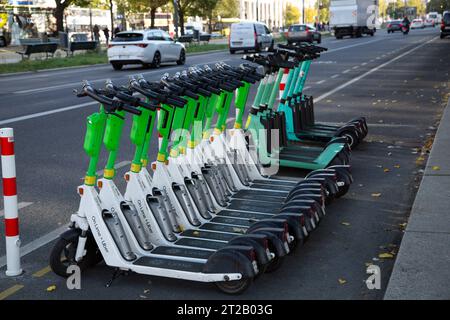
x=257, y=10
x=303, y=11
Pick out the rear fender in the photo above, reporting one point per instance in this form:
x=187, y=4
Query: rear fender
x=247, y=240
x=274, y=235
x=230, y=259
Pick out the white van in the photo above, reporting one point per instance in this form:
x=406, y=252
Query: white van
x=250, y=36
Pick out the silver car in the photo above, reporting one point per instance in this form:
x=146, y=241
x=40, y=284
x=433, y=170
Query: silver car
x=303, y=33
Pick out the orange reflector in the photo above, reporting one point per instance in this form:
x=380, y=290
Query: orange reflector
x=211, y=138
x=127, y=177
x=154, y=166
x=100, y=184
x=166, y=162
x=80, y=191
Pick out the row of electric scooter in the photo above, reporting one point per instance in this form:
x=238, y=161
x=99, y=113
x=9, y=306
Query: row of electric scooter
x=207, y=210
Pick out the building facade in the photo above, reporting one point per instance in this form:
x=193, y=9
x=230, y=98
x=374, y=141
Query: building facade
x=271, y=12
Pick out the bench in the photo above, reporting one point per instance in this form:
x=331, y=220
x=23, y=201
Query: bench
x=204, y=38
x=187, y=38
x=80, y=45
x=47, y=48
x=27, y=41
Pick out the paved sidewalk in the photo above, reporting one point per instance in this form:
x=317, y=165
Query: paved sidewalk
x=422, y=269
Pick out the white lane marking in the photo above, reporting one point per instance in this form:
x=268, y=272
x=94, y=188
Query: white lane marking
x=46, y=113
x=380, y=125
x=321, y=81
x=20, y=205
x=36, y=244
x=116, y=166
x=74, y=84
x=307, y=87
x=378, y=58
x=334, y=76
x=364, y=63
x=346, y=71
x=346, y=84
x=352, y=46
x=355, y=67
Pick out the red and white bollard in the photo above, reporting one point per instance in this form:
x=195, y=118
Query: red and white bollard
x=283, y=81
x=10, y=202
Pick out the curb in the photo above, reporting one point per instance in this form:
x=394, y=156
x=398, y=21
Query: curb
x=421, y=270
x=93, y=65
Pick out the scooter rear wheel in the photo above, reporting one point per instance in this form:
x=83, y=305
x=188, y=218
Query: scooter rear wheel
x=63, y=255
x=234, y=287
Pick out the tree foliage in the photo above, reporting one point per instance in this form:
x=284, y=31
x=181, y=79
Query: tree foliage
x=291, y=14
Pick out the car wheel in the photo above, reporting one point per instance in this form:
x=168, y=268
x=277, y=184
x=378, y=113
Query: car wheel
x=442, y=36
x=272, y=45
x=232, y=51
x=258, y=47
x=319, y=40
x=182, y=58
x=117, y=66
x=2, y=42
x=156, y=60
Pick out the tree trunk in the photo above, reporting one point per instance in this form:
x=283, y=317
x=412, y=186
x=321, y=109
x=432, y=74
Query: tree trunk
x=59, y=16
x=181, y=18
x=112, y=18
x=152, y=17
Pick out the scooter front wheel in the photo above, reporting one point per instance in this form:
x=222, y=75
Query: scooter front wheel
x=234, y=287
x=63, y=255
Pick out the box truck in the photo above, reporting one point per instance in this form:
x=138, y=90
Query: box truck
x=353, y=17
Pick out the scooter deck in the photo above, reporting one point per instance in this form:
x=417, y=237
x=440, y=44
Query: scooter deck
x=260, y=193
x=200, y=243
x=223, y=228
x=268, y=186
x=244, y=215
x=183, y=252
x=234, y=221
x=204, y=234
x=276, y=182
x=169, y=264
x=257, y=196
x=244, y=205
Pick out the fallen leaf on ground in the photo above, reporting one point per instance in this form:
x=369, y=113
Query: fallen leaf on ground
x=376, y=195
x=386, y=170
x=342, y=281
x=435, y=168
x=345, y=223
x=386, y=255
x=397, y=166
x=402, y=225
x=51, y=288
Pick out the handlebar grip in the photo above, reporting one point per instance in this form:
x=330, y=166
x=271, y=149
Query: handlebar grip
x=130, y=109
x=190, y=94
x=178, y=102
x=213, y=90
x=204, y=92
x=148, y=106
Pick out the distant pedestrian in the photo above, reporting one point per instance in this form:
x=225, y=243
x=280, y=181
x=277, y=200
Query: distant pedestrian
x=96, y=31
x=106, y=33
x=116, y=31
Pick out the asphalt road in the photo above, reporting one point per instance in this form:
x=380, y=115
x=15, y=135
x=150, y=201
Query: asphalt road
x=399, y=83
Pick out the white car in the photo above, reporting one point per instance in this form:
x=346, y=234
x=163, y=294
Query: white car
x=429, y=23
x=417, y=24
x=250, y=36
x=149, y=48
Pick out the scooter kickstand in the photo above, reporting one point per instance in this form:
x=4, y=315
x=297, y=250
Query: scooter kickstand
x=117, y=273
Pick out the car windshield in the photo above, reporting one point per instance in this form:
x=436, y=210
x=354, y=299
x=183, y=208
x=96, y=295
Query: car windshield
x=297, y=28
x=395, y=22
x=446, y=18
x=129, y=36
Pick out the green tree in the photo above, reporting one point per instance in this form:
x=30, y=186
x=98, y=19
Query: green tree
x=204, y=9
x=291, y=14
x=154, y=5
x=227, y=9
x=324, y=12
x=61, y=6
x=438, y=5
